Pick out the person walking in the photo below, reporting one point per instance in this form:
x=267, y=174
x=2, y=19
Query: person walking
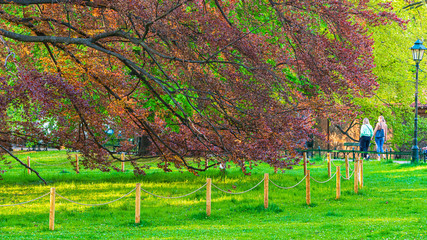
x=380, y=134
x=366, y=134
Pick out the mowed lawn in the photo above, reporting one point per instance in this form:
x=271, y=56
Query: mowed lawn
x=392, y=204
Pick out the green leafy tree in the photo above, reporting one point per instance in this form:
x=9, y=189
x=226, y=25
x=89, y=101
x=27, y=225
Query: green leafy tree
x=395, y=69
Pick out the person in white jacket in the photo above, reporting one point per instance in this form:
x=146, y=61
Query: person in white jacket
x=366, y=133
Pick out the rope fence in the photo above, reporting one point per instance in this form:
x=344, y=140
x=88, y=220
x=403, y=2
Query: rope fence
x=349, y=176
x=56, y=164
x=97, y=204
x=22, y=203
x=324, y=181
x=252, y=188
x=338, y=165
x=188, y=194
x=75, y=163
x=290, y=186
x=357, y=173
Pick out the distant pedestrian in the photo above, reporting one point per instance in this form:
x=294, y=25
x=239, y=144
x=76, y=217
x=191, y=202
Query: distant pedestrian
x=380, y=134
x=366, y=134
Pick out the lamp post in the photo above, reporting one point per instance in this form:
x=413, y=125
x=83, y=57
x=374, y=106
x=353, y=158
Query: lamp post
x=417, y=54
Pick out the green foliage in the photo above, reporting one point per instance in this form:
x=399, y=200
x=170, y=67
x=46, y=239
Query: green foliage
x=396, y=75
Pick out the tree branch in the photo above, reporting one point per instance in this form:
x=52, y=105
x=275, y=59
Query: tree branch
x=23, y=164
x=222, y=12
x=346, y=133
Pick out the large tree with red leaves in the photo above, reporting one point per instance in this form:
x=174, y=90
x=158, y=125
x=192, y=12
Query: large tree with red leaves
x=228, y=81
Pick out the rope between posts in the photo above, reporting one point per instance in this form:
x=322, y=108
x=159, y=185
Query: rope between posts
x=288, y=187
x=222, y=190
x=349, y=176
x=326, y=180
x=32, y=200
x=44, y=164
x=336, y=165
x=177, y=196
x=98, y=204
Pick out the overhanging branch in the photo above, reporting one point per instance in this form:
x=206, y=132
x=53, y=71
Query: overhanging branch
x=23, y=164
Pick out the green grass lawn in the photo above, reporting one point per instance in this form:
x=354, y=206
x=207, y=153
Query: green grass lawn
x=392, y=204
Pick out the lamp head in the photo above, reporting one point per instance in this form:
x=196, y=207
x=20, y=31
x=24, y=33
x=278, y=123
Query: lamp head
x=418, y=51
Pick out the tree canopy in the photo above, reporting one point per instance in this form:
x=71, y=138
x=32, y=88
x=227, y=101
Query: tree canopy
x=395, y=69
x=238, y=81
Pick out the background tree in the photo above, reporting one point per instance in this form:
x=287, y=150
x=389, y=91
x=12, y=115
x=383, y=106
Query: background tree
x=395, y=69
x=236, y=81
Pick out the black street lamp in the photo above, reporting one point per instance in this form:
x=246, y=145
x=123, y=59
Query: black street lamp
x=417, y=54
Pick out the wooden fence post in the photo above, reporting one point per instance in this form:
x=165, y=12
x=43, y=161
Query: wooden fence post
x=305, y=163
x=208, y=196
x=52, y=209
x=329, y=165
x=347, y=174
x=77, y=164
x=307, y=188
x=265, y=190
x=138, y=203
x=29, y=165
x=356, y=174
x=123, y=163
x=338, y=182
